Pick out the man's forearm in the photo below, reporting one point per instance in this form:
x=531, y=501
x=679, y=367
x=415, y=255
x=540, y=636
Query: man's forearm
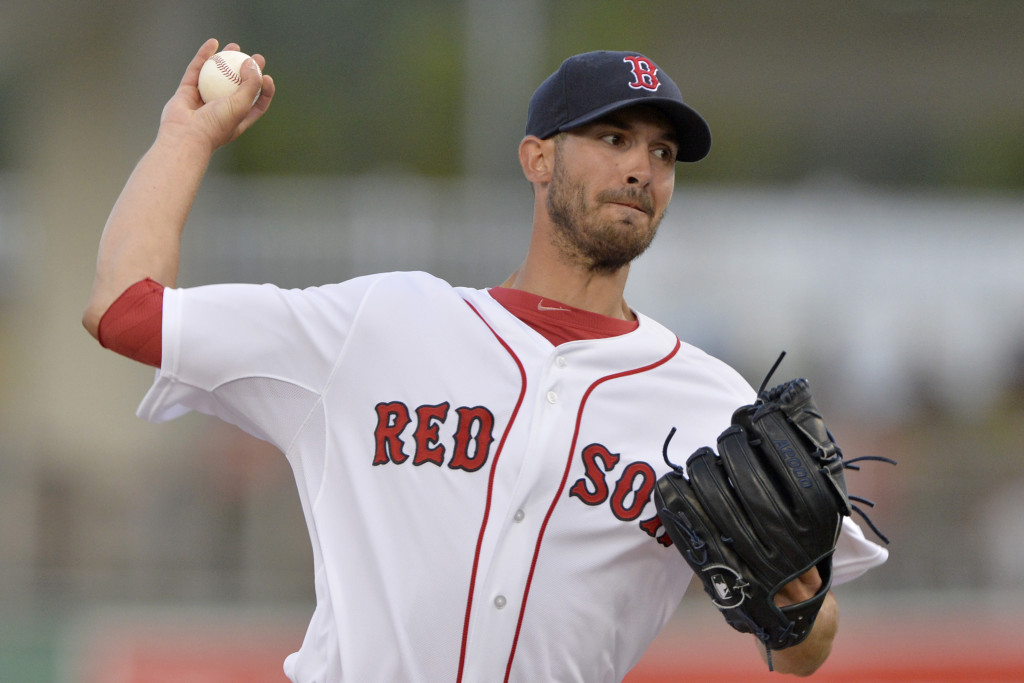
x=142, y=237
x=807, y=657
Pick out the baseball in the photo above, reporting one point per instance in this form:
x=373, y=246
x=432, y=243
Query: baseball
x=221, y=75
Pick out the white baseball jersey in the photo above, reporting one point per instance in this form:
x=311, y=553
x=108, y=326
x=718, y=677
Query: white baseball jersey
x=478, y=500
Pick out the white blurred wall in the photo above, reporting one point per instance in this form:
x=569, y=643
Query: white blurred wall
x=897, y=298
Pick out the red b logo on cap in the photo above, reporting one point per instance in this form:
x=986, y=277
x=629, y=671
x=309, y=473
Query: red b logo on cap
x=645, y=73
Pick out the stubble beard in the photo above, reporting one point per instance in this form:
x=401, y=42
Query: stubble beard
x=582, y=237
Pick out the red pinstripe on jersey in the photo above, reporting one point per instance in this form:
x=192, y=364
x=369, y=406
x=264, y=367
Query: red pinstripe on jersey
x=490, y=488
x=561, y=486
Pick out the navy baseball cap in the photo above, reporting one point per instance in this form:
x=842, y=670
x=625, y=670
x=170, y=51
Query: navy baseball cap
x=590, y=85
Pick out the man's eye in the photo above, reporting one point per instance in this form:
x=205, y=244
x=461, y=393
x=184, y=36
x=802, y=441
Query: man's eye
x=665, y=154
x=612, y=138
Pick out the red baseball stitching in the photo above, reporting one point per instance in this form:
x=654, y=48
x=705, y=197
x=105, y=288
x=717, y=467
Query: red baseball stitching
x=226, y=70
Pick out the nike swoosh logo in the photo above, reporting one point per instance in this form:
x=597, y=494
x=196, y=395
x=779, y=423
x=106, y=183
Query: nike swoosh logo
x=542, y=307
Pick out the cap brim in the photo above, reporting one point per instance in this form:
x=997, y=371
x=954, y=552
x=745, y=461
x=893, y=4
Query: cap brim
x=692, y=132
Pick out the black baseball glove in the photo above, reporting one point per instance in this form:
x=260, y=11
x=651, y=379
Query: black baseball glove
x=765, y=509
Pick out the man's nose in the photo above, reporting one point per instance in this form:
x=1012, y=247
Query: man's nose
x=638, y=167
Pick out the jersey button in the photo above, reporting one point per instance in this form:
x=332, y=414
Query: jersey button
x=561, y=362
x=519, y=515
x=500, y=602
x=552, y=397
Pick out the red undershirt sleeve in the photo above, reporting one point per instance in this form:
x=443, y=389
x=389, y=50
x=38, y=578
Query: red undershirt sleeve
x=133, y=324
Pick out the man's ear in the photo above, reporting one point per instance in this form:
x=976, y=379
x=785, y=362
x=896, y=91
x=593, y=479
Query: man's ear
x=537, y=158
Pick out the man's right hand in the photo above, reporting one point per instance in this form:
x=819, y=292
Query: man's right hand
x=222, y=120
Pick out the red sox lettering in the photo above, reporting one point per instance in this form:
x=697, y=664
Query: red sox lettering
x=627, y=497
x=473, y=437
x=631, y=492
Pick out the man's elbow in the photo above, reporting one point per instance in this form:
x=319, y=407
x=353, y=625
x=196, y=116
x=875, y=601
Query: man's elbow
x=802, y=667
x=91, y=320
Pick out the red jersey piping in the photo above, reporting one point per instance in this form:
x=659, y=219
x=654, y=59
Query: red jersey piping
x=561, y=487
x=490, y=490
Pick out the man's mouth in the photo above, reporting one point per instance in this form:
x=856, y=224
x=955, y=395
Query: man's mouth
x=637, y=205
x=637, y=200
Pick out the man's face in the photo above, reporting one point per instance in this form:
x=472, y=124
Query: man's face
x=611, y=183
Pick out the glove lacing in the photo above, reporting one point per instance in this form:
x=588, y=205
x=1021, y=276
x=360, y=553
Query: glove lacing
x=849, y=465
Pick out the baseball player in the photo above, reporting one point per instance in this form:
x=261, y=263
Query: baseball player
x=475, y=466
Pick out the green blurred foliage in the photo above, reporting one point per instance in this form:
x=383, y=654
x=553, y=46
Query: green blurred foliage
x=892, y=93
x=359, y=91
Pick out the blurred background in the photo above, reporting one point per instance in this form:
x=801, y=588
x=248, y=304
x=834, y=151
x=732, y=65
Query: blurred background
x=862, y=208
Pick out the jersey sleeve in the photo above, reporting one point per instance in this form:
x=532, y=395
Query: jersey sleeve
x=855, y=554
x=131, y=325
x=256, y=356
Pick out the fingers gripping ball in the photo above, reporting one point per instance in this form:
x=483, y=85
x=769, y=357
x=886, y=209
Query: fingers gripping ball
x=222, y=74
